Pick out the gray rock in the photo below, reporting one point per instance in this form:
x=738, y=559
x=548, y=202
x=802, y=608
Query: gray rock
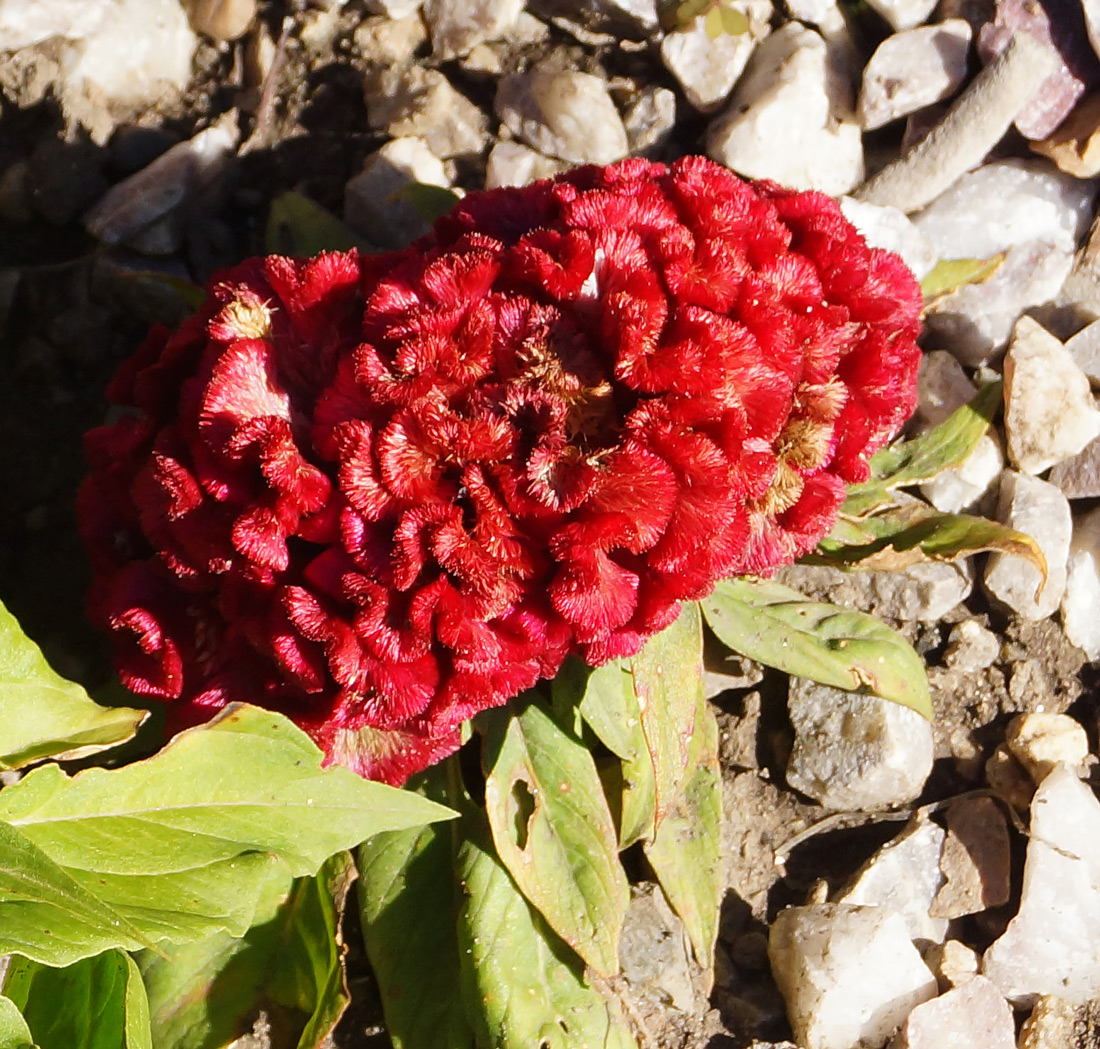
x=903, y=877
x=911, y=70
x=649, y=118
x=1082, y=594
x=568, y=115
x=891, y=229
x=369, y=198
x=849, y=975
x=1050, y=946
x=385, y=41
x=708, y=68
x=457, y=26
x=780, y=124
x=971, y=647
x=416, y=102
x=1078, y=477
x=629, y=18
x=855, y=752
x=1050, y=413
x=975, y=860
x=1008, y=203
x=1039, y=510
x=942, y=387
x=1084, y=348
x=976, y=320
x=653, y=950
x=972, y=1016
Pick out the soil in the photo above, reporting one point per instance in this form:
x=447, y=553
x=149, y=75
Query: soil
x=67, y=318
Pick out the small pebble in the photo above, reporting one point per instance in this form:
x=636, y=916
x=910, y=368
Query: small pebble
x=1041, y=742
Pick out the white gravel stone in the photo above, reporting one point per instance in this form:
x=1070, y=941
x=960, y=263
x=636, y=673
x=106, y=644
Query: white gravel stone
x=959, y=487
x=913, y=69
x=416, y=102
x=1006, y=203
x=369, y=204
x=1041, y=742
x=568, y=115
x=1081, y=600
x=849, y=975
x=855, y=752
x=976, y=320
x=971, y=647
x=1050, y=946
x=649, y=118
x=1039, y=510
x=385, y=41
x=708, y=68
x=1050, y=413
x=458, y=26
x=514, y=164
x=973, y=1016
x=779, y=123
x=904, y=14
x=952, y=961
x=891, y=229
x=1084, y=348
x=23, y=24
x=903, y=877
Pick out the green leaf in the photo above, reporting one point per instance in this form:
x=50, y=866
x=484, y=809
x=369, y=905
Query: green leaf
x=170, y=848
x=403, y=877
x=289, y=965
x=734, y=23
x=905, y=535
x=97, y=1003
x=523, y=987
x=48, y=916
x=610, y=708
x=668, y=681
x=14, y=1032
x=298, y=226
x=835, y=646
x=713, y=23
x=553, y=830
x=918, y=460
x=44, y=716
x=949, y=274
x=686, y=854
x=428, y=201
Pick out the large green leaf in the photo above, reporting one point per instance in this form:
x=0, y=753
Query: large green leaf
x=14, y=1032
x=408, y=902
x=42, y=715
x=686, y=854
x=297, y=225
x=553, y=829
x=523, y=987
x=850, y=650
x=175, y=847
x=206, y=993
x=96, y=1003
x=918, y=460
x=905, y=535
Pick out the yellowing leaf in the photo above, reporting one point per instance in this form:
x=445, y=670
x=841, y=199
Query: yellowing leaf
x=949, y=274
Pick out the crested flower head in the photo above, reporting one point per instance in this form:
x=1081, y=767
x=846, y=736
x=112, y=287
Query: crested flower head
x=382, y=493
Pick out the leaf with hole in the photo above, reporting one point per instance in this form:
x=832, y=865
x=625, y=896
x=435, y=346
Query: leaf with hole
x=523, y=987
x=835, y=646
x=553, y=829
x=96, y=1003
x=919, y=460
x=44, y=716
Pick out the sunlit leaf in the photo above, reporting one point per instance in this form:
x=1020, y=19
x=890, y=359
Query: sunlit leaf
x=523, y=987
x=835, y=646
x=553, y=829
x=14, y=1032
x=44, y=716
x=97, y=1003
x=408, y=903
x=906, y=535
x=921, y=459
x=297, y=225
x=713, y=23
x=949, y=274
x=686, y=853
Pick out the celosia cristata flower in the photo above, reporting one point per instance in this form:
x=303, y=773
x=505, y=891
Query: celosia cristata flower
x=382, y=493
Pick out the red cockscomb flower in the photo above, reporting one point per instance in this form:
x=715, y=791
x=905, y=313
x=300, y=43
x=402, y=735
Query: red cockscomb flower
x=382, y=493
